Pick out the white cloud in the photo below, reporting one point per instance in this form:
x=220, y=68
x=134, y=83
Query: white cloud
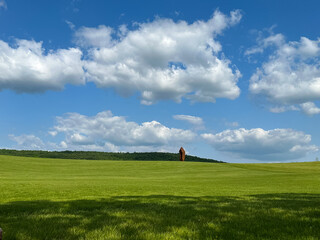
x=263, y=43
x=29, y=142
x=63, y=144
x=232, y=124
x=27, y=68
x=106, y=131
x=53, y=133
x=153, y=59
x=70, y=24
x=3, y=4
x=310, y=108
x=259, y=144
x=291, y=76
x=197, y=121
x=94, y=37
x=280, y=109
x=163, y=59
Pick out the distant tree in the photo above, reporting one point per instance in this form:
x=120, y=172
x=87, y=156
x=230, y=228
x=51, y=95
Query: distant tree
x=317, y=159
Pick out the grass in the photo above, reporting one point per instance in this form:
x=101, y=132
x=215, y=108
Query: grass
x=87, y=199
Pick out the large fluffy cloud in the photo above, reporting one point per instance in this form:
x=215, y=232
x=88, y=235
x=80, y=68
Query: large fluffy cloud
x=290, y=79
x=163, y=59
x=106, y=131
x=259, y=144
x=27, y=68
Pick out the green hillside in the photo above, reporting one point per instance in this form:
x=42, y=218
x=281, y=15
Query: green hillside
x=80, y=199
x=91, y=155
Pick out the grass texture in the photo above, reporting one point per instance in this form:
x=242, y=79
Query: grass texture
x=87, y=199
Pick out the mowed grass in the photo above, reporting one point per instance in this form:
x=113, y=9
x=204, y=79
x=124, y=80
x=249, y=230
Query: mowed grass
x=86, y=199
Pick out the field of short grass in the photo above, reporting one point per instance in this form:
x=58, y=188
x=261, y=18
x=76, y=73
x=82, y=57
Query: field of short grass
x=86, y=199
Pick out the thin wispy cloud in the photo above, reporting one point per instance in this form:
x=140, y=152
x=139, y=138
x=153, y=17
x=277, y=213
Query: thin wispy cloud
x=196, y=121
x=232, y=124
x=3, y=4
x=28, y=142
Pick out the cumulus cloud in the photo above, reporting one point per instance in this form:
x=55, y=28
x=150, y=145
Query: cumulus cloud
x=27, y=68
x=310, y=108
x=290, y=78
x=53, y=133
x=94, y=37
x=259, y=144
x=163, y=59
x=30, y=142
x=196, y=121
x=106, y=131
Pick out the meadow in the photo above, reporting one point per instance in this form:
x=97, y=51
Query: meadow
x=42, y=198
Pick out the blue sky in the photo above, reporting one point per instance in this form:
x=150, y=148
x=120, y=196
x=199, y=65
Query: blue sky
x=237, y=81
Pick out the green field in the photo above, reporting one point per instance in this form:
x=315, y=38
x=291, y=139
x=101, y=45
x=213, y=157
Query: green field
x=87, y=199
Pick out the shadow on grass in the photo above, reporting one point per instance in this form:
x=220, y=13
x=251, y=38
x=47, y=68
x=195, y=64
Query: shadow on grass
x=268, y=216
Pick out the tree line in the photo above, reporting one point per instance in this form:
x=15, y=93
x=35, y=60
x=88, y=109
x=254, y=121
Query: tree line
x=92, y=155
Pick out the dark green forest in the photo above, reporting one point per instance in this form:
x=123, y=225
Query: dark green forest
x=91, y=155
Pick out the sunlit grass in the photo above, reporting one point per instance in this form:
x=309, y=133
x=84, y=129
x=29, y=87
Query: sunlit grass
x=80, y=199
